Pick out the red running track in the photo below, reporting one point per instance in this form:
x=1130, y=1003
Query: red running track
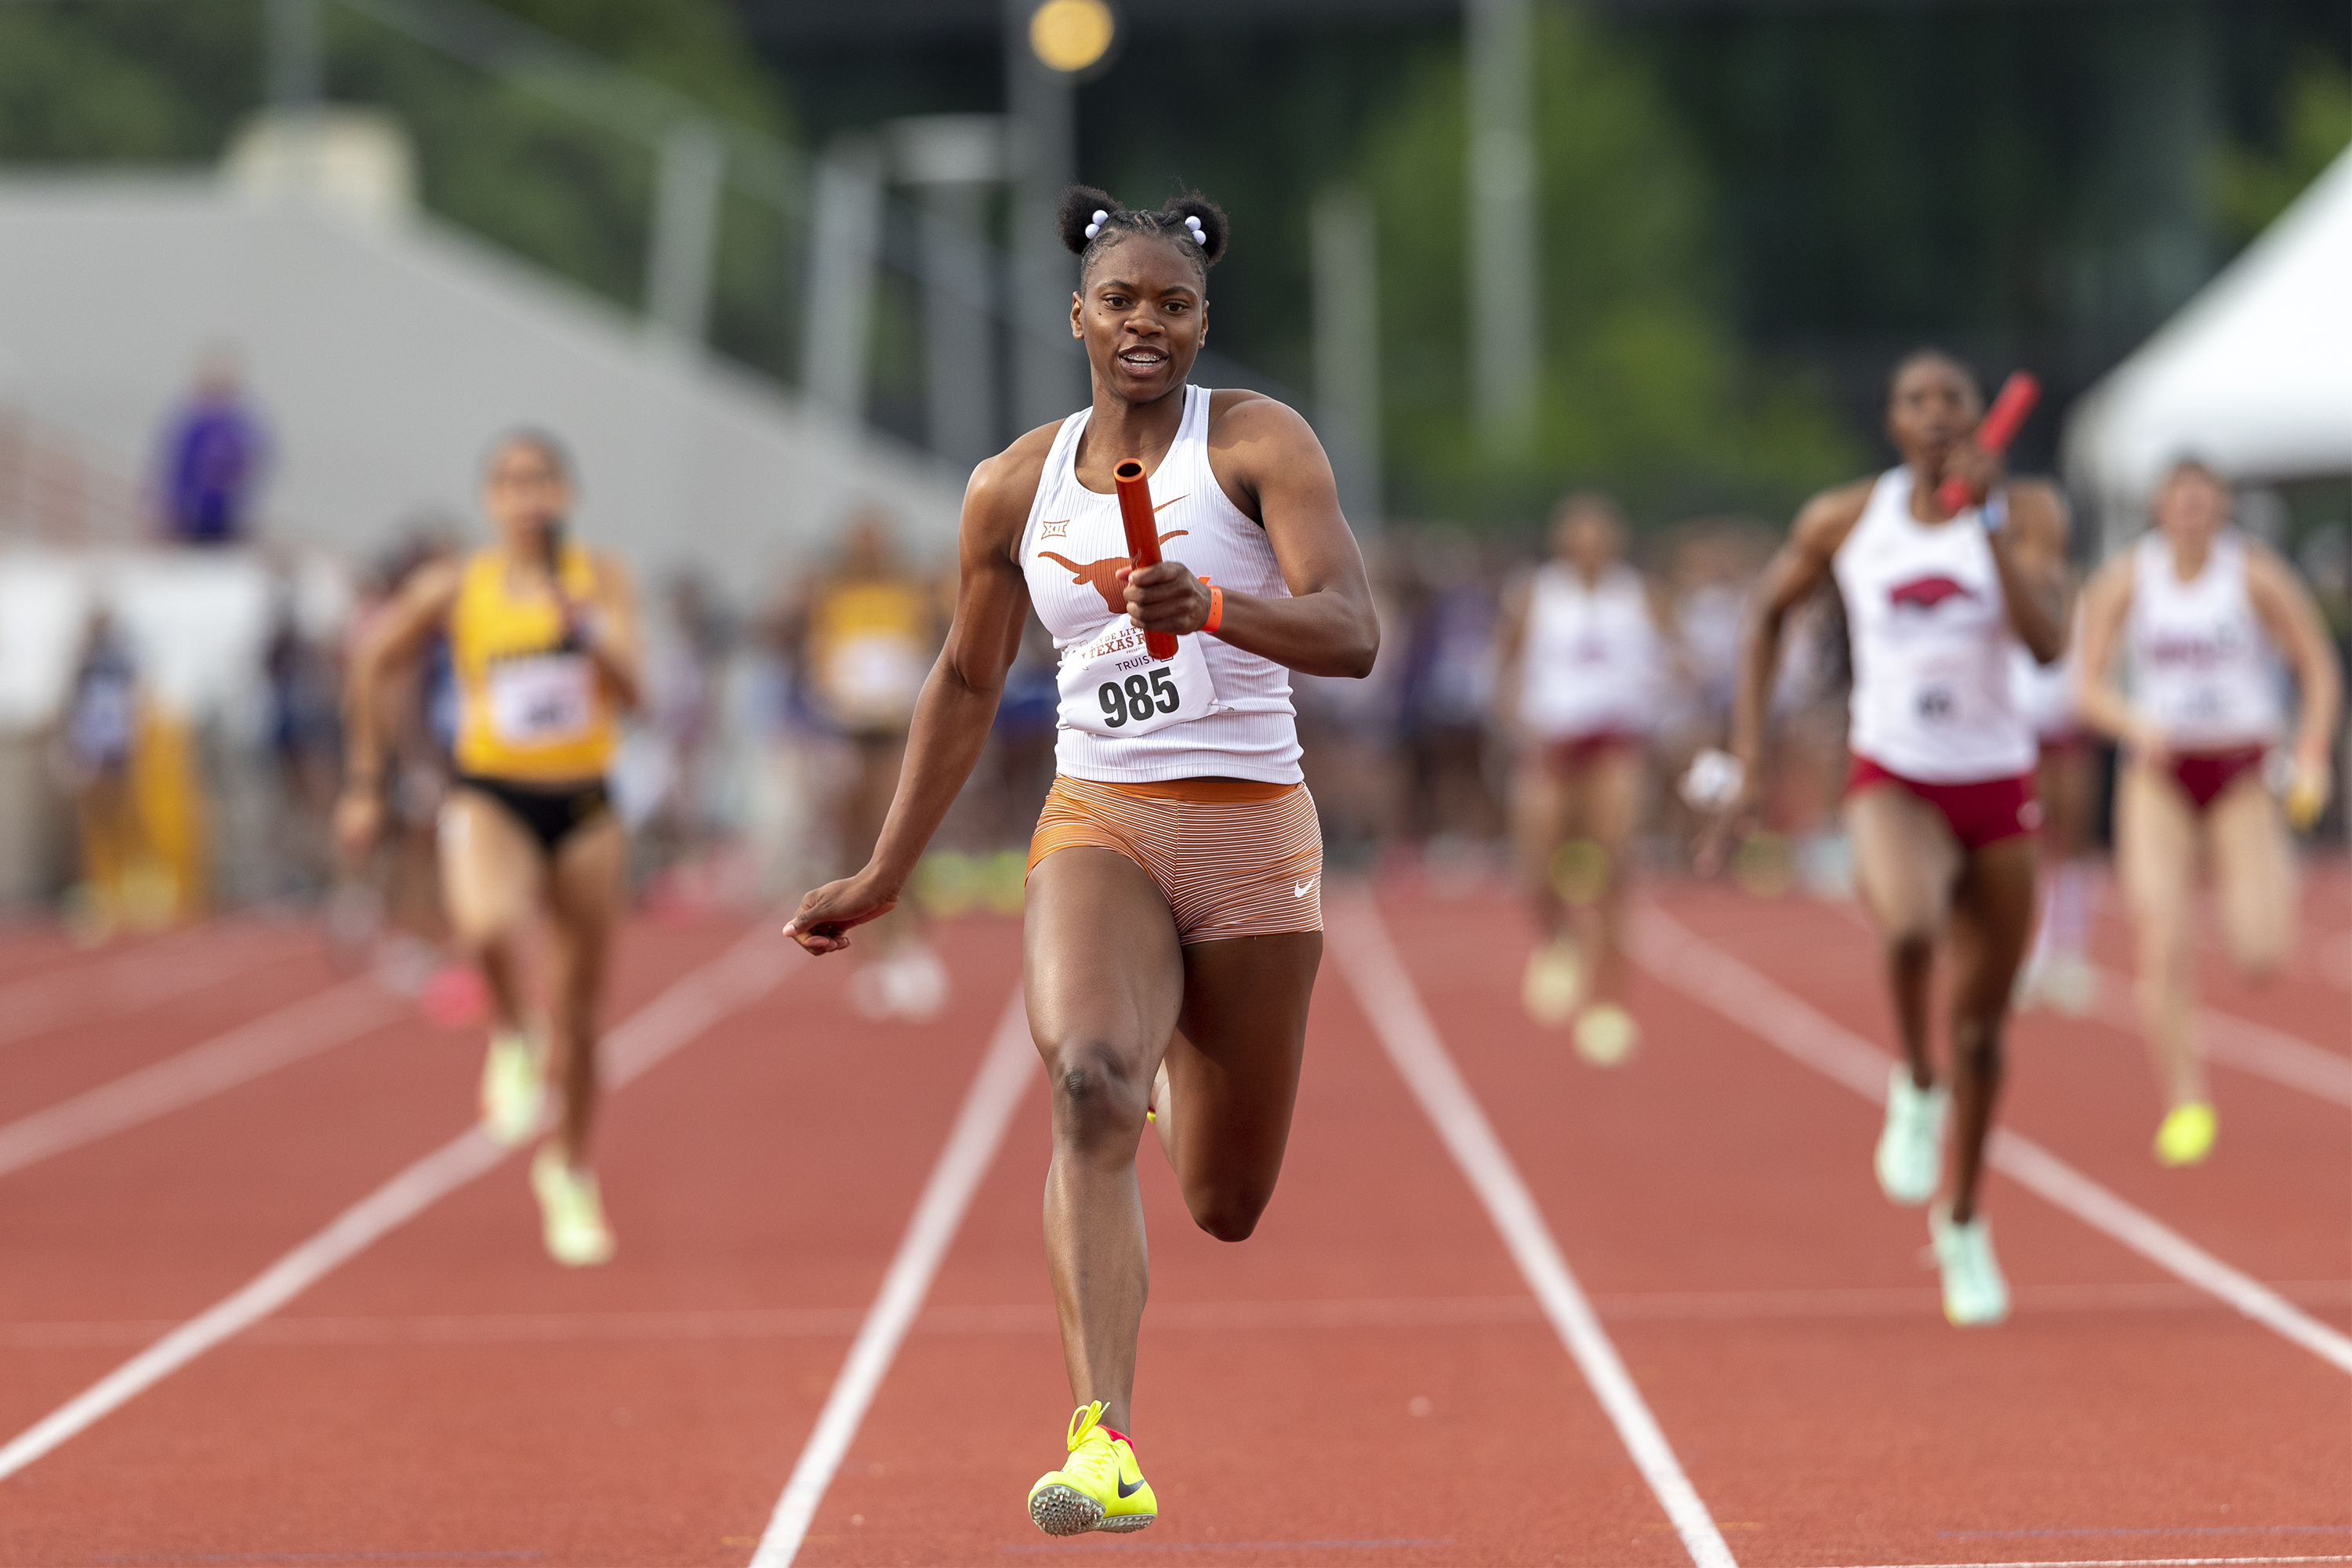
x=1367, y=1381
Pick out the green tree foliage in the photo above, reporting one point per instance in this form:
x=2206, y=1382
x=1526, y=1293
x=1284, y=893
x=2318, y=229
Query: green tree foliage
x=2252, y=187
x=1646, y=387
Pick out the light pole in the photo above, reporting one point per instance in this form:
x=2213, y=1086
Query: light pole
x=1048, y=48
x=1506, y=318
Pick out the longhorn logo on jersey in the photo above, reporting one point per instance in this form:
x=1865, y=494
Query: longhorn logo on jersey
x=1927, y=593
x=1103, y=575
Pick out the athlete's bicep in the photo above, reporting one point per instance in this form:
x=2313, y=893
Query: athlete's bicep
x=2288, y=612
x=2105, y=599
x=991, y=594
x=421, y=607
x=1283, y=467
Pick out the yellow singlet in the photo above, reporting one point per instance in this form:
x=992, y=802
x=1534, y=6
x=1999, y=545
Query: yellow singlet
x=871, y=645
x=526, y=709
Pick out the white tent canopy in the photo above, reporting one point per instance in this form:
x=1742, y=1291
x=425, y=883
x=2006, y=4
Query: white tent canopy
x=2255, y=375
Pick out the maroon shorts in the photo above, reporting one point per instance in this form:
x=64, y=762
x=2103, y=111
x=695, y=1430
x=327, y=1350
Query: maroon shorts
x=1980, y=813
x=2205, y=774
x=1569, y=753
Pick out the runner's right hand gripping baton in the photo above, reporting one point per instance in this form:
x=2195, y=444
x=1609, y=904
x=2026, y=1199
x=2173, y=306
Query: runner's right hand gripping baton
x=1142, y=538
x=2011, y=405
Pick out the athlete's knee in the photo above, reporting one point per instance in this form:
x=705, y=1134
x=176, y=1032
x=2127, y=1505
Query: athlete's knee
x=1097, y=1096
x=1228, y=1210
x=1910, y=944
x=1977, y=1044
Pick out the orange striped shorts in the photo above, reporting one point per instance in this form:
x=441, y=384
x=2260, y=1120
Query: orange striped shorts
x=1234, y=857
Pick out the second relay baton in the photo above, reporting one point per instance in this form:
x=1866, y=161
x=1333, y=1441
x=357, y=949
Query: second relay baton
x=2015, y=400
x=1142, y=538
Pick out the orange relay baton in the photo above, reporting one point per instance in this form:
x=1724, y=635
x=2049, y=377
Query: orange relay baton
x=2015, y=400
x=1142, y=537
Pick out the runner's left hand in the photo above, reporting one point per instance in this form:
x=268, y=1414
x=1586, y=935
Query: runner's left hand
x=822, y=922
x=1165, y=597
x=1977, y=468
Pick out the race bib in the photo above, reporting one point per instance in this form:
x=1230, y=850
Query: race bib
x=1111, y=685
x=543, y=700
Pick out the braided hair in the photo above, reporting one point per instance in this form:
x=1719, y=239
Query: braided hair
x=1091, y=223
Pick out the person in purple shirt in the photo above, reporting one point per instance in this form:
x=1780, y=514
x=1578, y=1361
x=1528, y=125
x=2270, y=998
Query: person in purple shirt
x=212, y=457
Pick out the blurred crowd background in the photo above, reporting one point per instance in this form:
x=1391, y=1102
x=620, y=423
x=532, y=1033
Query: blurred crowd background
x=274, y=272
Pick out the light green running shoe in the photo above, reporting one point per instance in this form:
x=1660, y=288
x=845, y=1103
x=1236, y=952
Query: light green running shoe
x=2187, y=1135
x=1975, y=1293
x=1910, y=1158
x=514, y=1093
x=1606, y=1035
x=572, y=1212
x=1554, y=982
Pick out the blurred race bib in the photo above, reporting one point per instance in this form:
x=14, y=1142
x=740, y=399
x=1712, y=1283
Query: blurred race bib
x=543, y=700
x=1111, y=685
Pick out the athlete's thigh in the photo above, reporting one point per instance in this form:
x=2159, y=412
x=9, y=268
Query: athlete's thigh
x=1905, y=860
x=584, y=894
x=1233, y=1067
x=2253, y=872
x=490, y=868
x=1102, y=971
x=1992, y=917
x=1541, y=797
x=1612, y=800
x=2156, y=846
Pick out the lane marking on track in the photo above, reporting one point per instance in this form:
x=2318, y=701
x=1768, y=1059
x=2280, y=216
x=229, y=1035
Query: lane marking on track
x=1667, y=949
x=129, y=983
x=1005, y=1073
x=1313, y=1315
x=323, y=1019
x=1394, y=1006
x=690, y=1005
x=2240, y=1043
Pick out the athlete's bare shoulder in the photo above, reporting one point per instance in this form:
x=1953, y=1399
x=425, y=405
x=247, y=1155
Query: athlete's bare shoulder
x=1239, y=418
x=1003, y=488
x=1824, y=522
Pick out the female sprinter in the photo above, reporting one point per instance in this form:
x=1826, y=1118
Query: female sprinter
x=543, y=640
x=1939, y=803
x=1581, y=658
x=2205, y=615
x=1174, y=915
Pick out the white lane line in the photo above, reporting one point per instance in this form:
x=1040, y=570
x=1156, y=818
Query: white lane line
x=1005, y=1072
x=169, y=967
x=1663, y=946
x=1403, y=1025
x=740, y=976
x=2240, y=1043
x=300, y=1029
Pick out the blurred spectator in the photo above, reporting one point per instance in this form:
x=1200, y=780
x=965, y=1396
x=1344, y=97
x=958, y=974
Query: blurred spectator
x=305, y=739
x=212, y=457
x=99, y=746
x=1447, y=689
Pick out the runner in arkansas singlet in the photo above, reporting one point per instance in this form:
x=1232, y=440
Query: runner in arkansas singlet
x=1932, y=699
x=1212, y=711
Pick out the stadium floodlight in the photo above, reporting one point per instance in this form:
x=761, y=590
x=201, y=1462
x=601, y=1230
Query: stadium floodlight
x=1071, y=35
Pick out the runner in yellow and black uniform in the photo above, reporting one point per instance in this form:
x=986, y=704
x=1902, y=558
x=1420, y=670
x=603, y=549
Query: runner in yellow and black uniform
x=543, y=638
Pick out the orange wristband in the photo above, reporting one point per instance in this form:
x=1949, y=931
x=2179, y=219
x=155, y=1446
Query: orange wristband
x=1216, y=606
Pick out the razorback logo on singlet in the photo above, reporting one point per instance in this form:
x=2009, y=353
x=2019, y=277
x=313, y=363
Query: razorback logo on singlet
x=1103, y=575
x=1927, y=593
x=2201, y=652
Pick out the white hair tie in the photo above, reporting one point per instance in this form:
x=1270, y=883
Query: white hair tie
x=1198, y=236
x=1095, y=228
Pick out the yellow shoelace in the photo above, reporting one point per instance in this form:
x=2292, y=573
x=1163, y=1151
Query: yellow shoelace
x=1083, y=1420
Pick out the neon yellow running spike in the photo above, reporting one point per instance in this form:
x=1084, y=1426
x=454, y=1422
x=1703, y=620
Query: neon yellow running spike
x=2187, y=1135
x=1100, y=1487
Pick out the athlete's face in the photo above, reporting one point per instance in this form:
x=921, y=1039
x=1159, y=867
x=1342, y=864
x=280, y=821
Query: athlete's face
x=527, y=495
x=1931, y=408
x=2191, y=506
x=1142, y=317
x=1589, y=538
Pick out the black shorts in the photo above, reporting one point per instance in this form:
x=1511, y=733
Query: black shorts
x=549, y=815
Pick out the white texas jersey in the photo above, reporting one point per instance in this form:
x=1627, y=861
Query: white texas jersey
x=2203, y=665
x=1588, y=663
x=1071, y=551
x=1931, y=645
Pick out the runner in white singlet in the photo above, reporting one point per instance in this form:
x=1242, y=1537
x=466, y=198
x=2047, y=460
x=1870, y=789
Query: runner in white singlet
x=1174, y=914
x=2065, y=780
x=1940, y=803
x=2206, y=618
x=1582, y=683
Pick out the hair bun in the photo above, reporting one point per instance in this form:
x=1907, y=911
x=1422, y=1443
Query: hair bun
x=1190, y=210
x=1074, y=214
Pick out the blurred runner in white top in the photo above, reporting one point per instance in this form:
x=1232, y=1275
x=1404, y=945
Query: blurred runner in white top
x=1583, y=670
x=2205, y=616
x=2065, y=780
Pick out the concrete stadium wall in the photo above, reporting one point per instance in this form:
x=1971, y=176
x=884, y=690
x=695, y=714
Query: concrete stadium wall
x=385, y=356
